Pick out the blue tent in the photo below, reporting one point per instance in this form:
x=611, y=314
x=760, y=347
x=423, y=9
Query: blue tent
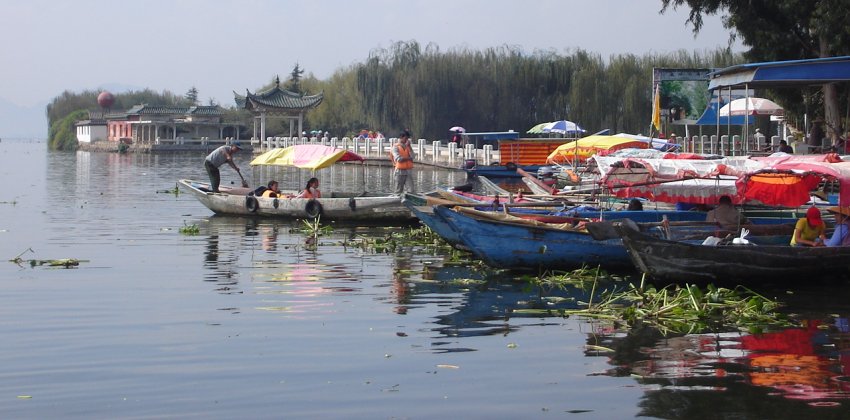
x=709, y=116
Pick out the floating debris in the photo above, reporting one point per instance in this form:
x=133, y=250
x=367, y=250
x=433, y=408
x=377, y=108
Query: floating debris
x=63, y=262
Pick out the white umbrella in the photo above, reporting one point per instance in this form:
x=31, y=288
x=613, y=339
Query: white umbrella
x=751, y=106
x=563, y=127
x=457, y=128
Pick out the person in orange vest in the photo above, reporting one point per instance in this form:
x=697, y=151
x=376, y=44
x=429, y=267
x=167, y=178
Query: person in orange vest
x=402, y=153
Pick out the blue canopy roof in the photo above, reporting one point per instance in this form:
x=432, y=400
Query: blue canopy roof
x=783, y=73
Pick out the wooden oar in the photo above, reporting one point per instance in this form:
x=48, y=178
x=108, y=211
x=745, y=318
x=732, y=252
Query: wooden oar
x=244, y=183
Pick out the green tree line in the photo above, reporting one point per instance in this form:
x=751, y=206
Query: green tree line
x=427, y=90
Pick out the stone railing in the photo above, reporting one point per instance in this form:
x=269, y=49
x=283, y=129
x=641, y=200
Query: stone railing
x=435, y=153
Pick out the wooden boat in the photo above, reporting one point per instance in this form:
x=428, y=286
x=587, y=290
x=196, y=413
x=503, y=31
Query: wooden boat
x=511, y=242
x=333, y=206
x=690, y=261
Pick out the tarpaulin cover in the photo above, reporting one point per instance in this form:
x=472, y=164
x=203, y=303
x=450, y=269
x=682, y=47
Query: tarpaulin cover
x=306, y=156
x=591, y=145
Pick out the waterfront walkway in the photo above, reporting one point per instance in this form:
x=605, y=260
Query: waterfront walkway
x=376, y=150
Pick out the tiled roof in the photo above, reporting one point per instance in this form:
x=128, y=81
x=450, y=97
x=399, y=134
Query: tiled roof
x=278, y=98
x=145, y=109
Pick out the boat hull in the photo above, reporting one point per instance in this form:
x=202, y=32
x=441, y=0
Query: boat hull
x=678, y=261
x=366, y=208
x=517, y=246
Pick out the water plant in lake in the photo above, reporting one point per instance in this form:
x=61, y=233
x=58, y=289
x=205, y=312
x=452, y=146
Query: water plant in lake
x=192, y=229
x=673, y=309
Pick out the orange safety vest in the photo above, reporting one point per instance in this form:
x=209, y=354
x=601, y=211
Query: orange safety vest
x=403, y=152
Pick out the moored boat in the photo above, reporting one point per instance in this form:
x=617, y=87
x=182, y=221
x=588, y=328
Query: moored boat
x=690, y=261
x=333, y=206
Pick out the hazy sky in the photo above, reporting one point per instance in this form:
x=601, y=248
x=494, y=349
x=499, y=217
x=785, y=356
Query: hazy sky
x=221, y=46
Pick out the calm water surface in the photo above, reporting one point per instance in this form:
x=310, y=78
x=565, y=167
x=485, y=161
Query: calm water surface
x=244, y=321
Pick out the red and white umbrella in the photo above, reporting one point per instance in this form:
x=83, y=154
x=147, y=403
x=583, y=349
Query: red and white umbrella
x=751, y=106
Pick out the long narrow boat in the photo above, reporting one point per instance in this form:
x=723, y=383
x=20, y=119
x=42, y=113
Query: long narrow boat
x=511, y=242
x=333, y=206
x=690, y=261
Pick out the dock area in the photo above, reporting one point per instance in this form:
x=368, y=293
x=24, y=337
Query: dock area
x=433, y=153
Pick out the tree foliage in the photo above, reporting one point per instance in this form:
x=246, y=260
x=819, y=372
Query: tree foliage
x=62, y=134
x=776, y=30
x=428, y=90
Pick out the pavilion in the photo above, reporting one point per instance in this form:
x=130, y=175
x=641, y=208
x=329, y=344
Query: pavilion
x=277, y=103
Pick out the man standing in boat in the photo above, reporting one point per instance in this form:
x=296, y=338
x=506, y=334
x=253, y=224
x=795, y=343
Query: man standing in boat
x=402, y=153
x=218, y=157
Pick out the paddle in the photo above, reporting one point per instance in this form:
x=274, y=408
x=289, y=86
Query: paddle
x=244, y=183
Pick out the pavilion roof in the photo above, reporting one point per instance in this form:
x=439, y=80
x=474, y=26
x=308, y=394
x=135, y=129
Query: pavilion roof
x=277, y=98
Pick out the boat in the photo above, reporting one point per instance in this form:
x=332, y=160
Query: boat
x=505, y=241
x=785, y=183
x=360, y=206
x=689, y=261
x=332, y=206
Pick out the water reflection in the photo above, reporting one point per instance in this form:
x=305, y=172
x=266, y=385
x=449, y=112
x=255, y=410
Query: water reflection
x=728, y=372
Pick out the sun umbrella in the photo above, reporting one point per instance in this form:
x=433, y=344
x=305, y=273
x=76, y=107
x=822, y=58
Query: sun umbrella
x=537, y=129
x=457, y=128
x=751, y=106
x=306, y=156
x=563, y=127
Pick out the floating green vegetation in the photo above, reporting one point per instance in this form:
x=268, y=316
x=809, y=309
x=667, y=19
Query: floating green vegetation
x=687, y=309
x=63, y=262
x=175, y=191
x=396, y=238
x=314, y=228
x=192, y=229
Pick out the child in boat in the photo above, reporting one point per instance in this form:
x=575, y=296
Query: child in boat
x=272, y=190
x=311, y=190
x=810, y=230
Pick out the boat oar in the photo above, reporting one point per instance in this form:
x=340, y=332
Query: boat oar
x=244, y=183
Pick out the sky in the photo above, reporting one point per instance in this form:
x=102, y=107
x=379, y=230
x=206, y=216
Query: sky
x=221, y=46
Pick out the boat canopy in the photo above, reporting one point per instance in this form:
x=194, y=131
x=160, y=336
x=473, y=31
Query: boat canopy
x=592, y=145
x=789, y=183
x=306, y=156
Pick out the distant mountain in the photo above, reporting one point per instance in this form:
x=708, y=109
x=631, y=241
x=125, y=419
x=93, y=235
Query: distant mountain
x=22, y=122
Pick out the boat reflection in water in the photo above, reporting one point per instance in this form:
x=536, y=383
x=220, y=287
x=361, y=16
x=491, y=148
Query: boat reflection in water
x=762, y=375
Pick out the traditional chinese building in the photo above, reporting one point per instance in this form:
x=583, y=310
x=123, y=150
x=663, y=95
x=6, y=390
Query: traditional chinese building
x=277, y=103
x=147, y=124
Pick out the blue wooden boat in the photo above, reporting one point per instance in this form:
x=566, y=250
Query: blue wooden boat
x=526, y=244
x=423, y=208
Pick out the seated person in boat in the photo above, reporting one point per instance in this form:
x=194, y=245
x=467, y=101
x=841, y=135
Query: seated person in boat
x=810, y=230
x=272, y=190
x=726, y=215
x=841, y=235
x=311, y=190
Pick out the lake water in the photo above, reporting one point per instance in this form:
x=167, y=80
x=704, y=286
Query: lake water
x=245, y=321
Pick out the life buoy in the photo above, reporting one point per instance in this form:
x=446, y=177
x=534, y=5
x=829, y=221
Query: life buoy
x=275, y=203
x=510, y=166
x=352, y=204
x=313, y=209
x=251, y=203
